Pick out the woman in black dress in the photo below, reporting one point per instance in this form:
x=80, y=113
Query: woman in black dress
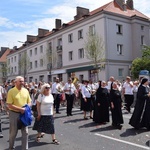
x=141, y=117
x=101, y=112
x=116, y=104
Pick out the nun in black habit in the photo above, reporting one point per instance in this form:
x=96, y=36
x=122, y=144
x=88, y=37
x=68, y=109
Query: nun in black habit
x=141, y=114
x=116, y=104
x=101, y=111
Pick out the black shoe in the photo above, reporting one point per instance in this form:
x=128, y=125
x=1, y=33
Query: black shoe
x=71, y=115
x=1, y=135
x=119, y=126
x=68, y=115
x=91, y=117
x=85, y=118
x=58, y=113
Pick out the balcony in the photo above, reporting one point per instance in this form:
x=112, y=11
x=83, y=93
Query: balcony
x=59, y=48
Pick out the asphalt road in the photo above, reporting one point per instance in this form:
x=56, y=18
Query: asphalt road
x=75, y=133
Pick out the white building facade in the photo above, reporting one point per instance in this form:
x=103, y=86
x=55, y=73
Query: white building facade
x=123, y=29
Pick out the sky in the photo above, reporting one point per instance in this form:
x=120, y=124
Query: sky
x=19, y=18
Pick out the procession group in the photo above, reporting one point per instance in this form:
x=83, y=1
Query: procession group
x=96, y=99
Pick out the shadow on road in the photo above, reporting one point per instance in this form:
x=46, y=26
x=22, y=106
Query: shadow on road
x=132, y=132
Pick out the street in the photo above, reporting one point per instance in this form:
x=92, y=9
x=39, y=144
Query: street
x=75, y=133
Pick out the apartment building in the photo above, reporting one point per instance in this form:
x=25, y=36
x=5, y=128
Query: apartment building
x=59, y=52
x=4, y=51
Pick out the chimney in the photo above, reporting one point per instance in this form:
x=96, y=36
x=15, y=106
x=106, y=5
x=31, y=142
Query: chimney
x=57, y=23
x=124, y=6
x=130, y=4
x=121, y=4
x=81, y=12
x=42, y=32
x=31, y=38
x=15, y=48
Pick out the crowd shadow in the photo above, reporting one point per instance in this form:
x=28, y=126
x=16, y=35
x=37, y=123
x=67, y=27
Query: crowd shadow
x=87, y=125
x=73, y=121
x=101, y=128
x=132, y=132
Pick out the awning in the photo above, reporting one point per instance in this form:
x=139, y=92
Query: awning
x=80, y=69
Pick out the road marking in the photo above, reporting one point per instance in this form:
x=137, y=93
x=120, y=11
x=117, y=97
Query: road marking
x=118, y=140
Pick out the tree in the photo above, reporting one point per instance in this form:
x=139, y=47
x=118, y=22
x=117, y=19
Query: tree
x=50, y=59
x=143, y=63
x=24, y=64
x=94, y=49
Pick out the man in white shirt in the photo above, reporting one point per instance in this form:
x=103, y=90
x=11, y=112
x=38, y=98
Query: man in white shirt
x=128, y=93
x=110, y=82
x=56, y=92
x=70, y=91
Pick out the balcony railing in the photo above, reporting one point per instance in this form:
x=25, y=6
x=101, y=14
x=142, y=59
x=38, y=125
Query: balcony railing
x=59, y=48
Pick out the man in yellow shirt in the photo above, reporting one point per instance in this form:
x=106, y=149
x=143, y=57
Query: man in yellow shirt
x=17, y=97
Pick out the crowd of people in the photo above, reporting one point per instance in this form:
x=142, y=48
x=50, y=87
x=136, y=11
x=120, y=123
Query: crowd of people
x=96, y=99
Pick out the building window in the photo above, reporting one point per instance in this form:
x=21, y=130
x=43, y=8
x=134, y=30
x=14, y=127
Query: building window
x=41, y=49
x=142, y=40
x=31, y=52
x=30, y=65
x=11, y=70
x=119, y=29
x=15, y=58
x=36, y=64
x=70, y=55
x=80, y=34
x=41, y=78
x=50, y=48
x=70, y=38
x=35, y=51
x=30, y=79
x=119, y=49
x=142, y=28
x=12, y=59
x=120, y=72
x=81, y=53
x=8, y=61
x=92, y=30
x=15, y=69
x=41, y=62
x=60, y=42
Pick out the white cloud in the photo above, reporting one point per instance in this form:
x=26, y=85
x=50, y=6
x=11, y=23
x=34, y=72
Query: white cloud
x=3, y=21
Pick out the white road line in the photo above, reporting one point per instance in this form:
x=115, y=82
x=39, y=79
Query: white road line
x=118, y=140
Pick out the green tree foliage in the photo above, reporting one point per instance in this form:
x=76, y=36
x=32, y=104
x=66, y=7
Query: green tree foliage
x=24, y=64
x=143, y=63
x=94, y=49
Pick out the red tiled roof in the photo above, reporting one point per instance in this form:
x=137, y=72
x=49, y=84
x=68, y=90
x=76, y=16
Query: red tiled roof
x=114, y=8
x=3, y=57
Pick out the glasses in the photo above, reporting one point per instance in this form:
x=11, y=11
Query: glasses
x=47, y=87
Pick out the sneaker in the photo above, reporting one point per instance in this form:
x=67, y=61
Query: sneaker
x=1, y=135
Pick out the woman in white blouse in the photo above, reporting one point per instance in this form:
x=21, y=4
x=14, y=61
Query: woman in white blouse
x=45, y=121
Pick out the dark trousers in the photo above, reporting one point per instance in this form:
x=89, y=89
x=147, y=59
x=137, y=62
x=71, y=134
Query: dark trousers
x=70, y=99
x=57, y=101
x=128, y=101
